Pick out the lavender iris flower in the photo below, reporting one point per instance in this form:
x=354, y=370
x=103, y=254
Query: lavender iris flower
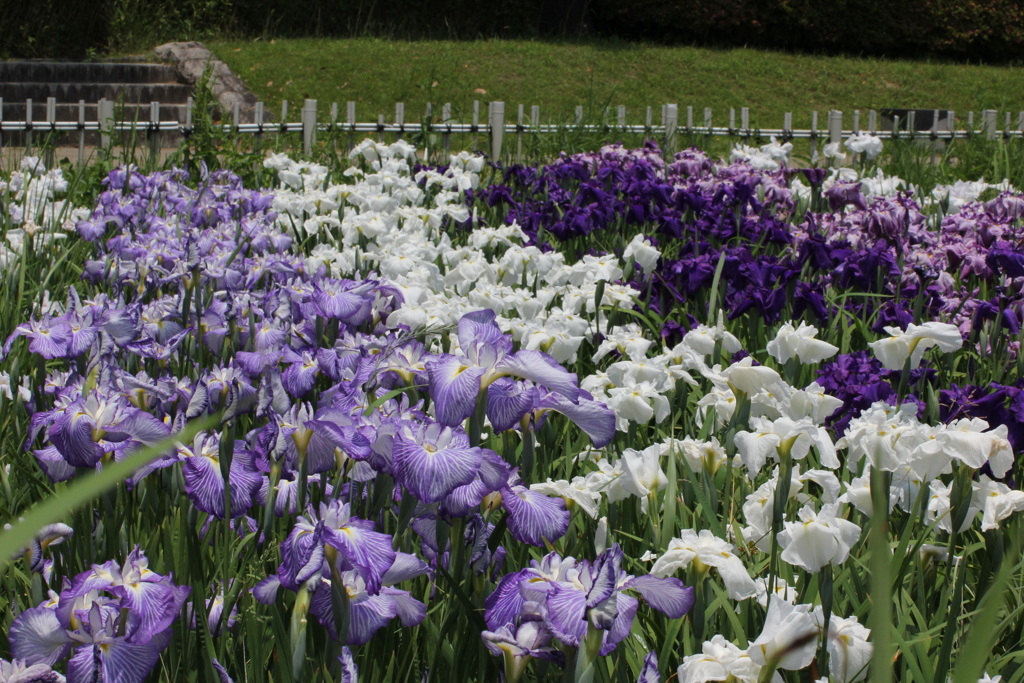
x=16, y=671
x=204, y=479
x=486, y=354
x=513, y=403
x=334, y=533
x=571, y=596
x=518, y=644
x=114, y=620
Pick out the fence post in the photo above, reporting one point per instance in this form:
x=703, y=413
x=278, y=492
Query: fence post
x=872, y=121
x=707, y=121
x=105, y=116
x=732, y=120
x=380, y=128
x=835, y=127
x=988, y=123
x=911, y=123
x=814, y=136
x=579, y=115
x=308, y=127
x=476, y=123
x=671, y=122
x=787, y=125
x=496, y=127
x=427, y=123
x=284, y=121
x=689, y=119
x=350, y=118
x=399, y=120
x=154, y=133
x=856, y=121
x=257, y=117
x=520, y=119
x=28, y=127
x=446, y=136
x=51, y=117
x=745, y=121
x=647, y=124
x=621, y=116
x=81, y=132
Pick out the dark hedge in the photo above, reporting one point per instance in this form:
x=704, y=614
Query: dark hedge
x=986, y=30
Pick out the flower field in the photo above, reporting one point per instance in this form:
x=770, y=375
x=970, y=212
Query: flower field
x=625, y=416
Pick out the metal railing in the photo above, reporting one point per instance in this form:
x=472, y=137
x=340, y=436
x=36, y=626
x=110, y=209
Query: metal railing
x=497, y=127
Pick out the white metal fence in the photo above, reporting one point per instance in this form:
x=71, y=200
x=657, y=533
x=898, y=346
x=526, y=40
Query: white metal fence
x=674, y=121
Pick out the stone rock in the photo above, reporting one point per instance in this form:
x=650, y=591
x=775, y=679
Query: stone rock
x=191, y=59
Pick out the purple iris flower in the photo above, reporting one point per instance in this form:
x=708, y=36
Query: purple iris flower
x=512, y=403
x=49, y=535
x=153, y=601
x=93, y=426
x=204, y=479
x=101, y=655
x=571, y=596
x=334, y=534
x=486, y=355
x=533, y=517
x=116, y=619
x=518, y=644
x=214, y=613
x=16, y=671
x=349, y=670
x=432, y=460
x=49, y=338
x=649, y=673
x=344, y=300
x=371, y=607
x=369, y=612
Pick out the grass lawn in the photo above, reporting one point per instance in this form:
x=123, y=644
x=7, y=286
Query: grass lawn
x=558, y=76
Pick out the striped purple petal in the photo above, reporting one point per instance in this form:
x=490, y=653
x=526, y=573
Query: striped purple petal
x=567, y=613
x=265, y=591
x=430, y=474
x=454, y=387
x=152, y=603
x=533, y=517
x=349, y=670
x=667, y=595
x=71, y=434
x=649, y=673
x=505, y=602
x=620, y=629
x=302, y=556
x=409, y=610
x=368, y=616
x=542, y=369
x=37, y=637
x=368, y=551
x=507, y=402
x=593, y=417
x=117, y=660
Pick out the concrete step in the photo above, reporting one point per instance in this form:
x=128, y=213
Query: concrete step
x=164, y=93
x=85, y=72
